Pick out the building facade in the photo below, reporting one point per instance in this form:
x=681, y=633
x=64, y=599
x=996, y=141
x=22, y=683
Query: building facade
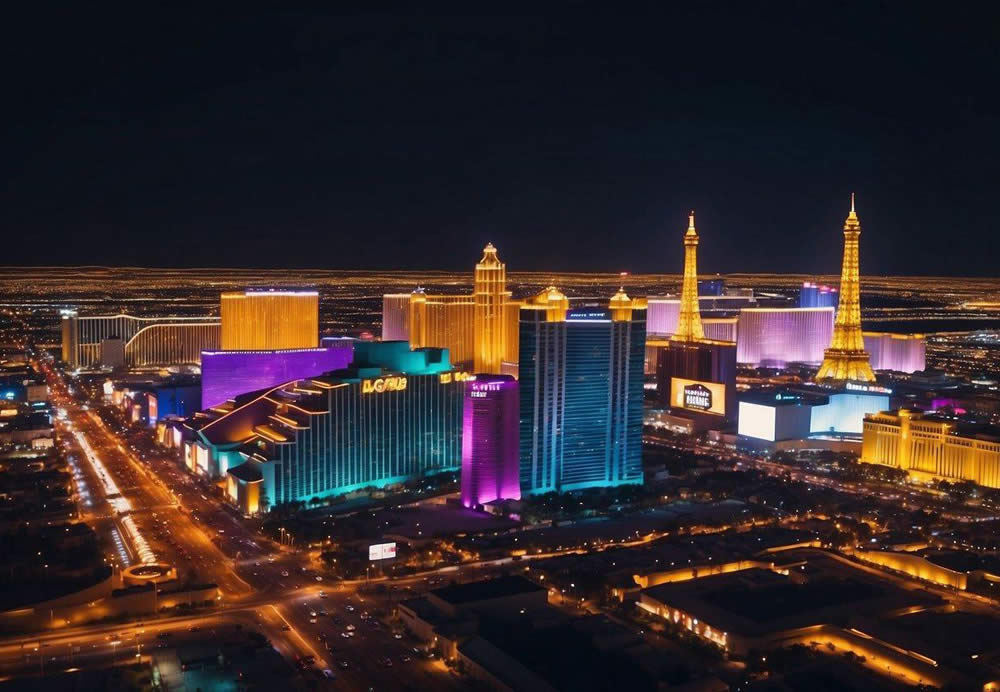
x=396, y=317
x=818, y=296
x=443, y=322
x=269, y=320
x=697, y=379
x=774, y=337
x=392, y=416
x=226, y=374
x=581, y=391
x=478, y=329
x=490, y=297
x=898, y=352
x=490, y=442
x=930, y=447
x=148, y=341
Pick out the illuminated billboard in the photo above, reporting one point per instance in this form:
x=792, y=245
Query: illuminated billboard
x=382, y=551
x=757, y=420
x=698, y=396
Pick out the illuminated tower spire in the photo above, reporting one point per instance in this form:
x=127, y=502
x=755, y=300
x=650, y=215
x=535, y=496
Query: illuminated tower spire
x=689, y=321
x=846, y=359
x=488, y=319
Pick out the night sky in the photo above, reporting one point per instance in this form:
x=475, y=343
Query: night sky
x=573, y=140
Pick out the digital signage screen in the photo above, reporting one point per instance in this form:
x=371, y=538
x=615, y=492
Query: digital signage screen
x=382, y=551
x=698, y=396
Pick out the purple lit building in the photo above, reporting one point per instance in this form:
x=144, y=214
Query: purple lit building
x=774, y=337
x=490, y=440
x=224, y=374
x=899, y=352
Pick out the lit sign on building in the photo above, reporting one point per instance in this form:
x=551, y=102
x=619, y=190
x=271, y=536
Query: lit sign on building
x=382, y=551
x=872, y=388
x=383, y=384
x=481, y=390
x=757, y=420
x=695, y=395
x=446, y=377
x=698, y=396
x=587, y=315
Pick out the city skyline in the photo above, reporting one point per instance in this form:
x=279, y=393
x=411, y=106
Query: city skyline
x=461, y=348
x=571, y=141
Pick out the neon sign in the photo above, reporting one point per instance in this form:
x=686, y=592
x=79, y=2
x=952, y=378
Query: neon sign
x=383, y=384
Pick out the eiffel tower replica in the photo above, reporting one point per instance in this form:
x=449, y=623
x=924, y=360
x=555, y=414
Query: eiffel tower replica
x=846, y=360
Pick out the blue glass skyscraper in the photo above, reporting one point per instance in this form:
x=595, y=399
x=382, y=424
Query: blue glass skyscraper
x=581, y=388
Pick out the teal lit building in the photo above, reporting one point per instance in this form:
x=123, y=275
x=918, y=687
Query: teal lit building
x=581, y=394
x=391, y=416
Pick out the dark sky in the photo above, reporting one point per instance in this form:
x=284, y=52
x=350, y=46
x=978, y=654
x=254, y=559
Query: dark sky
x=573, y=140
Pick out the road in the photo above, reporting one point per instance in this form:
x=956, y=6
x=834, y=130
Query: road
x=265, y=587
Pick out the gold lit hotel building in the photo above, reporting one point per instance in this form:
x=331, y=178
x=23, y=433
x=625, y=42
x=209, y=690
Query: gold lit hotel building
x=928, y=447
x=269, y=320
x=479, y=330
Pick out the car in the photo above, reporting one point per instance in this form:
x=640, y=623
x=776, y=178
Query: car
x=312, y=613
x=343, y=665
x=322, y=594
x=284, y=572
x=313, y=621
x=319, y=578
x=397, y=635
x=345, y=635
x=327, y=673
x=286, y=628
x=350, y=628
x=387, y=662
x=350, y=608
x=405, y=659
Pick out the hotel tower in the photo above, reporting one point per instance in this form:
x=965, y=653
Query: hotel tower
x=490, y=297
x=846, y=359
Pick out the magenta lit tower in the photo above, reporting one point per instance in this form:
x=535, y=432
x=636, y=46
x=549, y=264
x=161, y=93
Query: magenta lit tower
x=490, y=441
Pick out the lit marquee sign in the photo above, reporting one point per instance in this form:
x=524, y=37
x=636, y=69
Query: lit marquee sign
x=869, y=388
x=382, y=551
x=446, y=377
x=482, y=390
x=584, y=315
x=696, y=395
x=383, y=384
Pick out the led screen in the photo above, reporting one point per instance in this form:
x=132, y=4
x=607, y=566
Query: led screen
x=695, y=395
x=756, y=421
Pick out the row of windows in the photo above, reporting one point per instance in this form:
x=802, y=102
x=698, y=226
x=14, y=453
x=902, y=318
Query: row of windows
x=370, y=439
